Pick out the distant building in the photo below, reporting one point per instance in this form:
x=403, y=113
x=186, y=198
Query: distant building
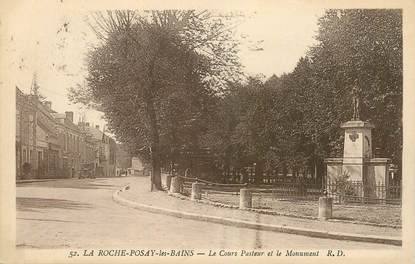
x=123, y=159
x=137, y=167
x=48, y=151
x=137, y=164
x=37, y=149
x=25, y=134
x=50, y=145
x=89, y=149
x=70, y=140
x=105, y=148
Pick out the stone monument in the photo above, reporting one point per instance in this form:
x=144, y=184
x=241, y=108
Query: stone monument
x=358, y=163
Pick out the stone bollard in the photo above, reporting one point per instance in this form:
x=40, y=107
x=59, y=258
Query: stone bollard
x=325, y=208
x=168, y=181
x=175, y=186
x=245, y=198
x=196, y=191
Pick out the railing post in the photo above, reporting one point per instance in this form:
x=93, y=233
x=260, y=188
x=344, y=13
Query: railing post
x=325, y=208
x=168, y=181
x=196, y=191
x=176, y=185
x=245, y=198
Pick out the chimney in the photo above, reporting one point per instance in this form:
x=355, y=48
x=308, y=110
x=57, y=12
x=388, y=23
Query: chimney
x=48, y=105
x=69, y=116
x=87, y=124
x=97, y=127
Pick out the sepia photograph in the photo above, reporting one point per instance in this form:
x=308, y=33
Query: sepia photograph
x=176, y=134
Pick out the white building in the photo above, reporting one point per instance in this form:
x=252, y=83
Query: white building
x=137, y=167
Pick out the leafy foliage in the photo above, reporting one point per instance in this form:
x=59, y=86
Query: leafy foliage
x=293, y=120
x=154, y=76
x=169, y=80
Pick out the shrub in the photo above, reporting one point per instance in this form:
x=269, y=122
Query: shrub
x=344, y=187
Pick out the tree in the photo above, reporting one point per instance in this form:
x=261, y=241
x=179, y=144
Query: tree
x=294, y=119
x=316, y=98
x=154, y=75
x=365, y=45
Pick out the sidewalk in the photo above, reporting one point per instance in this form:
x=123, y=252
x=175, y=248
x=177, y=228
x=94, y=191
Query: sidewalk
x=38, y=180
x=60, y=179
x=139, y=193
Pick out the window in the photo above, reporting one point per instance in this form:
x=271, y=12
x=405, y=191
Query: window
x=68, y=147
x=17, y=122
x=66, y=142
x=24, y=156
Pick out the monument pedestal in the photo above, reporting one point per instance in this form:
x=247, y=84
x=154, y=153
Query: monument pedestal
x=358, y=165
x=356, y=156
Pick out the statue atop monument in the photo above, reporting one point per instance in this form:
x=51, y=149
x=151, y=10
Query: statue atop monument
x=356, y=101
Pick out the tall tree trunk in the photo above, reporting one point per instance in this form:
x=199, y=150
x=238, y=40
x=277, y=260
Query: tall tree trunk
x=155, y=146
x=156, y=171
x=154, y=130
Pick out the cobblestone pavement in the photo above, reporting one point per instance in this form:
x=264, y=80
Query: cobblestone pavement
x=81, y=214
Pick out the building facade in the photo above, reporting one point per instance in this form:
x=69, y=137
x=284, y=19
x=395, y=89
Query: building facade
x=50, y=145
x=25, y=134
x=104, y=148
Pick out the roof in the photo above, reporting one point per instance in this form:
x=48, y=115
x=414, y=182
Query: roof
x=94, y=132
x=71, y=125
x=45, y=126
x=58, y=115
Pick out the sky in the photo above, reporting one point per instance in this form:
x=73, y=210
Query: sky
x=52, y=41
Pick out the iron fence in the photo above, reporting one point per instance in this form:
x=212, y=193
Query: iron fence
x=358, y=192
x=278, y=190
x=271, y=177
x=343, y=192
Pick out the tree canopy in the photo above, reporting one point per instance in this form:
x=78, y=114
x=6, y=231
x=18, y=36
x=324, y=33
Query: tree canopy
x=169, y=80
x=294, y=119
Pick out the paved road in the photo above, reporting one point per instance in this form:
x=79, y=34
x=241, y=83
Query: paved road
x=81, y=214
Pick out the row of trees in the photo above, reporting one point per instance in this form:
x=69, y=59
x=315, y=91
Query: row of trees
x=171, y=80
x=294, y=119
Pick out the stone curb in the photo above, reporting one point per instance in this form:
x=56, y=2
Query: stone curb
x=58, y=179
x=253, y=225
x=37, y=180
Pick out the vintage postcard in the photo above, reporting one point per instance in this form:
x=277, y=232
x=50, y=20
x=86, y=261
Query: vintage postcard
x=207, y=132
